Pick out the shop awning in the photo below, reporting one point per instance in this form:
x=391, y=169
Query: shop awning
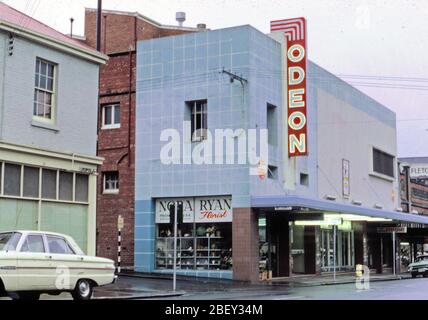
x=271, y=202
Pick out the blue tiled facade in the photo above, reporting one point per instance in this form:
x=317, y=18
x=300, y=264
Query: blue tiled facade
x=173, y=70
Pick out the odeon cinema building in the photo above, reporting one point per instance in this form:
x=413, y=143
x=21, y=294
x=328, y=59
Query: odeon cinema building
x=316, y=193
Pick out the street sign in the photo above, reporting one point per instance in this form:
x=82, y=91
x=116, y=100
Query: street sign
x=120, y=222
x=392, y=230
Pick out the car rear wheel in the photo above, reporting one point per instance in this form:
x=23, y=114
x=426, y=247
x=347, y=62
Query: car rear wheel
x=83, y=291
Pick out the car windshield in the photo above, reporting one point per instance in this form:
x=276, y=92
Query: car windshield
x=423, y=258
x=9, y=241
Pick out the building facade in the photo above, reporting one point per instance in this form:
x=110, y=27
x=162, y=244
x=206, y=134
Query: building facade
x=241, y=214
x=120, y=32
x=48, y=115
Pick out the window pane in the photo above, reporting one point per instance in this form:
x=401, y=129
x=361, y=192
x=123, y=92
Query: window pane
x=49, y=184
x=81, y=188
x=31, y=182
x=33, y=243
x=107, y=115
x=43, y=82
x=12, y=179
x=65, y=186
x=50, y=70
x=43, y=69
x=49, y=85
x=58, y=246
x=111, y=181
x=117, y=114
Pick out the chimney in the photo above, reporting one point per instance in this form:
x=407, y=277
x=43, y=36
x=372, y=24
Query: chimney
x=180, y=17
x=202, y=26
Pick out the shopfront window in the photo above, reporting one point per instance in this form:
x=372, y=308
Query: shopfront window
x=200, y=245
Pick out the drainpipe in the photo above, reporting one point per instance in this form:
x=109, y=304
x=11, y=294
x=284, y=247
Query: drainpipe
x=3, y=91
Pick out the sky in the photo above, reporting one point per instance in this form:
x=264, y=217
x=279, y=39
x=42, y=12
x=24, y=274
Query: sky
x=380, y=46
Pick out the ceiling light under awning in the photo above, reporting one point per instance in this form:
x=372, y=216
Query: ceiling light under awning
x=354, y=217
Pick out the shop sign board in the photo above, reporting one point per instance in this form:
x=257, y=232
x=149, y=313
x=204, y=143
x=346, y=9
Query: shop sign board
x=163, y=205
x=346, y=186
x=419, y=171
x=199, y=210
x=294, y=31
x=392, y=229
x=213, y=209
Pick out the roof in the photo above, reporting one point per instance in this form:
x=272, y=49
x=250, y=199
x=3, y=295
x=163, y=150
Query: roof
x=19, y=23
x=414, y=160
x=296, y=201
x=146, y=19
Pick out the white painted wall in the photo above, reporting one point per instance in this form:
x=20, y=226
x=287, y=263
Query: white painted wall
x=347, y=132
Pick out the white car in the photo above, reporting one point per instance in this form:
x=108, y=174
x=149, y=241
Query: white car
x=32, y=263
x=419, y=267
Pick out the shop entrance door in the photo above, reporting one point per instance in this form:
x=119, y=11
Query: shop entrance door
x=279, y=245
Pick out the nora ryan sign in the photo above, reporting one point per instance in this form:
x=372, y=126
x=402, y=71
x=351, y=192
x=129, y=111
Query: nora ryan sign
x=198, y=210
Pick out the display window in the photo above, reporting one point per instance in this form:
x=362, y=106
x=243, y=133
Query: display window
x=199, y=246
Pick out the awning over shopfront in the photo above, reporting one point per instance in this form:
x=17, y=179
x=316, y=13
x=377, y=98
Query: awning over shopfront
x=270, y=202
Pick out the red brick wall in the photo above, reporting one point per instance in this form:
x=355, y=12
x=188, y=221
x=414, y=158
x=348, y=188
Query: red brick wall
x=117, y=146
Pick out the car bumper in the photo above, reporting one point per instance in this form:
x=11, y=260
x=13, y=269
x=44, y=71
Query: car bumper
x=420, y=270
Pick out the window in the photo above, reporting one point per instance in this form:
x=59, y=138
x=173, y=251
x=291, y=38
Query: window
x=111, y=116
x=49, y=184
x=81, y=188
x=198, y=119
x=12, y=179
x=31, y=182
x=34, y=243
x=272, y=125
x=44, y=92
x=59, y=246
x=111, y=182
x=383, y=163
x=304, y=179
x=9, y=241
x=272, y=172
x=65, y=186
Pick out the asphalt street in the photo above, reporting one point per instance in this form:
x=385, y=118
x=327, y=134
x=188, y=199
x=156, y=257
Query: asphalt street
x=408, y=289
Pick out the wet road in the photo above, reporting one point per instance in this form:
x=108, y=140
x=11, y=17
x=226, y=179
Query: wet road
x=414, y=289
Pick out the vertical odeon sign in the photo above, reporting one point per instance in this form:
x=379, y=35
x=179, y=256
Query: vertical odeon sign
x=294, y=31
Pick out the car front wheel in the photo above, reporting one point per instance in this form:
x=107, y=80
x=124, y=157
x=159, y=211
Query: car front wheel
x=414, y=275
x=83, y=290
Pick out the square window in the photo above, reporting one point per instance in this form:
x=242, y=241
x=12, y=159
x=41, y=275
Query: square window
x=272, y=172
x=110, y=116
x=111, y=182
x=304, y=179
x=198, y=119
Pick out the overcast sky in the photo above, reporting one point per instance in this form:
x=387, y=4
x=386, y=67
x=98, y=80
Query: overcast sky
x=378, y=43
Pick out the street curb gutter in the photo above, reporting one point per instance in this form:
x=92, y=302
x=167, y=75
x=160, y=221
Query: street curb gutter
x=143, y=296
x=329, y=283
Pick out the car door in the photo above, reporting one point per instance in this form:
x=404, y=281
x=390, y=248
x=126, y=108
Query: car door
x=33, y=260
x=64, y=261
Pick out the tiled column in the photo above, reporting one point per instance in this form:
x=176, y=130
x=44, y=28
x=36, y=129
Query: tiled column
x=245, y=246
x=360, y=243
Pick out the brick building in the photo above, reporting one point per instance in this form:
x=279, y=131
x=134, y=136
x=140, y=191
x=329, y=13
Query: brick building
x=116, y=124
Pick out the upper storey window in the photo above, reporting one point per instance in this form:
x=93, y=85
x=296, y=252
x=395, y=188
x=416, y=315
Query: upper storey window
x=44, y=92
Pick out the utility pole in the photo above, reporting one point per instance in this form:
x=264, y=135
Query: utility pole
x=99, y=13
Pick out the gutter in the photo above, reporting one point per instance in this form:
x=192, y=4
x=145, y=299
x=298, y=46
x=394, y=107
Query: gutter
x=76, y=50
